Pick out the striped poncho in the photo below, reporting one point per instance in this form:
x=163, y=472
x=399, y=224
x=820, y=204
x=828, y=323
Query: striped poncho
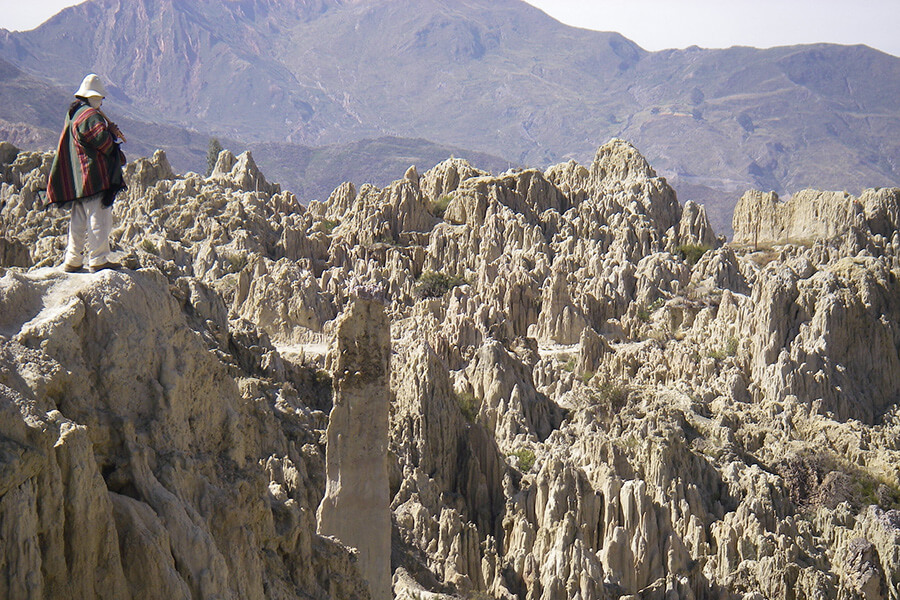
x=88, y=161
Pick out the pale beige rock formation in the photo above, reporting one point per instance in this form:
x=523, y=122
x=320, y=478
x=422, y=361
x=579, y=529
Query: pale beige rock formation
x=152, y=485
x=242, y=173
x=284, y=300
x=144, y=174
x=445, y=178
x=763, y=219
x=694, y=228
x=560, y=321
x=606, y=402
x=356, y=506
x=822, y=336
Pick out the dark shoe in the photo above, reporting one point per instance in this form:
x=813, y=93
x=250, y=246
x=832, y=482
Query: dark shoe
x=112, y=266
x=72, y=268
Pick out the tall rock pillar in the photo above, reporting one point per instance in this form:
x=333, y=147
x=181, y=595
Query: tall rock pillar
x=356, y=506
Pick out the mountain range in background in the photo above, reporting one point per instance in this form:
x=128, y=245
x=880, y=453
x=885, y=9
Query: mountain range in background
x=329, y=90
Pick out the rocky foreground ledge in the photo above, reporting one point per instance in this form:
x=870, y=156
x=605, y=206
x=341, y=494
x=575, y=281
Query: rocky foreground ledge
x=591, y=396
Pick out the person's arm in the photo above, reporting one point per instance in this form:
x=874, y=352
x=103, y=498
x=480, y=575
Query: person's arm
x=92, y=131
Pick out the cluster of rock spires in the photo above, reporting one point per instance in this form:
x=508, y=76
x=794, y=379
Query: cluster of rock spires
x=587, y=394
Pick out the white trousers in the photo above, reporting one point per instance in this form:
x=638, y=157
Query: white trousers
x=91, y=222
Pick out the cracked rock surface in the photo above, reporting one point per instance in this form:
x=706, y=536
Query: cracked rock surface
x=589, y=395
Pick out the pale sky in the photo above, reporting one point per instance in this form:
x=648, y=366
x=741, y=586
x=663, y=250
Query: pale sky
x=22, y=15
x=659, y=24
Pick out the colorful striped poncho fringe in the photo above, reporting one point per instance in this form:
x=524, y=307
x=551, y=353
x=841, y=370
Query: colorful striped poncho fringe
x=87, y=161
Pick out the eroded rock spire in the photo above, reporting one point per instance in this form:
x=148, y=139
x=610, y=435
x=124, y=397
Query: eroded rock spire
x=356, y=506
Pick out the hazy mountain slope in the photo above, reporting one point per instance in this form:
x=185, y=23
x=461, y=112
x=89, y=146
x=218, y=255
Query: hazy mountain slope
x=27, y=115
x=781, y=119
x=31, y=113
x=189, y=63
x=501, y=75
x=498, y=77
x=291, y=71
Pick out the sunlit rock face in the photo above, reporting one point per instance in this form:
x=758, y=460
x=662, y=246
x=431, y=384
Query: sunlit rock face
x=356, y=506
x=523, y=385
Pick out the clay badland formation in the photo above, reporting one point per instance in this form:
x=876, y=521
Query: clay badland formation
x=528, y=385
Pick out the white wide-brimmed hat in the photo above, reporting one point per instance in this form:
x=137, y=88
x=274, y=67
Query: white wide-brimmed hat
x=91, y=87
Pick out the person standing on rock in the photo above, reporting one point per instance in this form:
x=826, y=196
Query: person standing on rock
x=87, y=174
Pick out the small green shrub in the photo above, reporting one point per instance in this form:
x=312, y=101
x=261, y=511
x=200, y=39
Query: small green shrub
x=815, y=478
x=866, y=488
x=212, y=154
x=871, y=489
x=235, y=263
x=644, y=312
x=613, y=396
x=731, y=346
x=763, y=255
x=692, y=253
x=469, y=406
x=328, y=225
x=586, y=377
x=730, y=349
x=387, y=238
x=435, y=285
x=149, y=247
x=439, y=206
x=526, y=459
x=569, y=365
